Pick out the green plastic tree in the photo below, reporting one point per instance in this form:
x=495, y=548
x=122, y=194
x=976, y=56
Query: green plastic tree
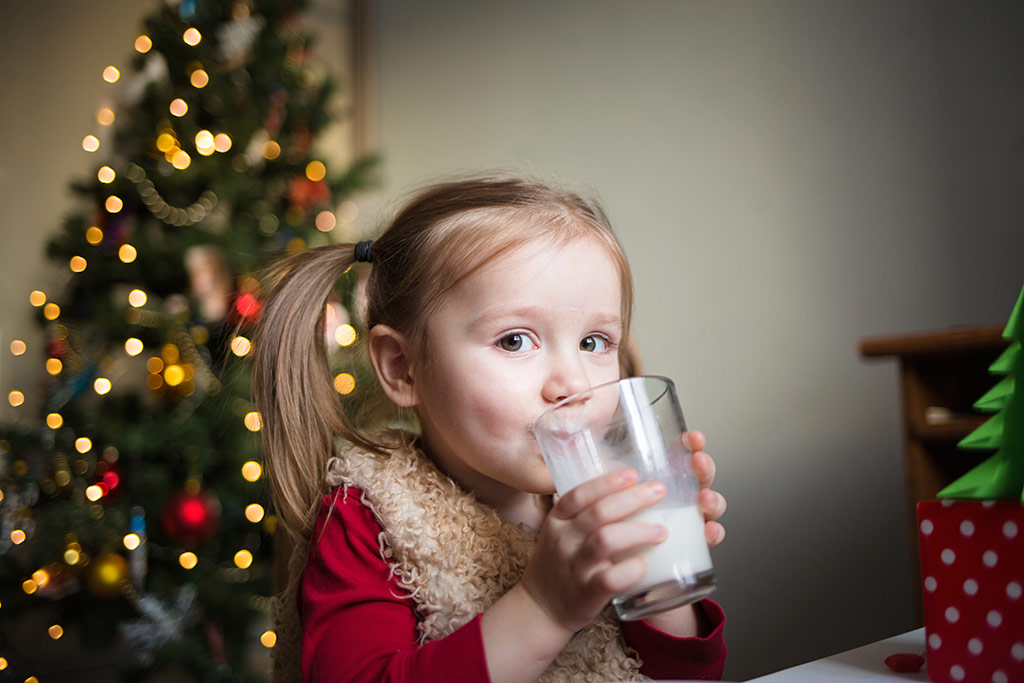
x=135, y=527
x=1002, y=475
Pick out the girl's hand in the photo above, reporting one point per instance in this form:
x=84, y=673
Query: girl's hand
x=582, y=557
x=711, y=502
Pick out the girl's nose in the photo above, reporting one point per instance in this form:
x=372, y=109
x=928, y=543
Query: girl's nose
x=567, y=377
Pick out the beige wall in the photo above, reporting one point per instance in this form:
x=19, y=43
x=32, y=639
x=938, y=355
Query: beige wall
x=787, y=177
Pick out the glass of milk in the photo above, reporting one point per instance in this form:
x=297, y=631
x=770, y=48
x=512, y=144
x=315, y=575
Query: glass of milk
x=637, y=422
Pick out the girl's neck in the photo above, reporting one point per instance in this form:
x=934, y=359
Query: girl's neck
x=514, y=506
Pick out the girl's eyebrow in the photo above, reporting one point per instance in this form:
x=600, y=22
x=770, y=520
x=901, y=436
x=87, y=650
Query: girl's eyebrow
x=501, y=312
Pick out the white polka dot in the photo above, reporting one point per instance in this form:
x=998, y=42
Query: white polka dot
x=971, y=587
x=994, y=619
x=967, y=527
x=934, y=641
x=948, y=556
x=930, y=584
x=1010, y=529
x=999, y=677
x=947, y=503
x=988, y=503
x=1017, y=651
x=1013, y=590
x=952, y=614
x=927, y=527
x=956, y=672
x=990, y=558
x=975, y=646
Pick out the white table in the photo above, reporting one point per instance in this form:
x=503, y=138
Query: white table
x=861, y=665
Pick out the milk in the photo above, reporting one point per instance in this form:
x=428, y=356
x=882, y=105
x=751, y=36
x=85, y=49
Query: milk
x=681, y=556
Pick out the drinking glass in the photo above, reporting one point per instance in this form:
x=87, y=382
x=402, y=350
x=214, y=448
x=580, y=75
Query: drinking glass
x=637, y=422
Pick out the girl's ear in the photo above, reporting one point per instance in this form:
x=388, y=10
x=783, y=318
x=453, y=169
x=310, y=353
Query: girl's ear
x=389, y=355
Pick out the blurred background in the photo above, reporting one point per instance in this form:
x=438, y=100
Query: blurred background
x=787, y=177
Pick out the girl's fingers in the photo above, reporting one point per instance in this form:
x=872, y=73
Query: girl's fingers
x=589, y=492
x=616, y=578
x=695, y=440
x=618, y=540
x=714, y=532
x=712, y=504
x=704, y=467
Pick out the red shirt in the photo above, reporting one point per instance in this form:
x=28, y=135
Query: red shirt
x=359, y=625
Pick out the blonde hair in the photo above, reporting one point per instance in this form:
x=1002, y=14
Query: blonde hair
x=443, y=235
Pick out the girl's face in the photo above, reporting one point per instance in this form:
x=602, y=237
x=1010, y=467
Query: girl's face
x=525, y=331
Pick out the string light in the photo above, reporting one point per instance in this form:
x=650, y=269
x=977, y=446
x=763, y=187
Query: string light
x=51, y=311
x=199, y=78
x=90, y=143
x=56, y=631
x=178, y=107
x=77, y=264
x=222, y=142
x=188, y=560
x=325, y=221
x=143, y=44
x=254, y=512
x=240, y=346
x=18, y=347
x=160, y=209
x=345, y=335
x=37, y=298
x=348, y=210
x=16, y=398
x=132, y=541
x=127, y=253
x=243, y=559
x=18, y=537
x=344, y=383
x=29, y=586
x=133, y=346
x=3, y=663
x=101, y=386
x=54, y=366
x=105, y=174
x=271, y=150
x=111, y=74
x=253, y=422
x=83, y=444
x=192, y=37
x=268, y=639
x=94, y=492
x=165, y=142
x=137, y=298
x=252, y=470
x=113, y=204
x=93, y=235
x=181, y=160
x=105, y=116
x=54, y=421
x=174, y=375
x=316, y=171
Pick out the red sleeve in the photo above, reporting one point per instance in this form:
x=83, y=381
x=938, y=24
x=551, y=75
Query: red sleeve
x=358, y=625
x=668, y=657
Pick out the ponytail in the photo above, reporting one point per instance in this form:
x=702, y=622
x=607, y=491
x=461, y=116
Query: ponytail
x=301, y=411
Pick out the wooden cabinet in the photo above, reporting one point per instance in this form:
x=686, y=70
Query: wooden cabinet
x=941, y=375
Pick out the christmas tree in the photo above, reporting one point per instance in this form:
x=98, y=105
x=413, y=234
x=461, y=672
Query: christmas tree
x=1002, y=475
x=135, y=528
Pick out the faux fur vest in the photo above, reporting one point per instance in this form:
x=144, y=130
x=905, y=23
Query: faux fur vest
x=455, y=557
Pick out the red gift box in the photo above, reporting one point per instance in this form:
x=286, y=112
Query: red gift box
x=972, y=563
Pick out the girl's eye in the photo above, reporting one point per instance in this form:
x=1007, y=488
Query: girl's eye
x=516, y=342
x=594, y=344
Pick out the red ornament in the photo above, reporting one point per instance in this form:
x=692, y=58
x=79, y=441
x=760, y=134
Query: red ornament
x=109, y=476
x=191, y=518
x=905, y=662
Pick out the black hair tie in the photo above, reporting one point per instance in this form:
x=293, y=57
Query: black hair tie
x=362, y=251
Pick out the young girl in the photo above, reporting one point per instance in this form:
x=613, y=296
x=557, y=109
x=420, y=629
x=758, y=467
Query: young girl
x=441, y=555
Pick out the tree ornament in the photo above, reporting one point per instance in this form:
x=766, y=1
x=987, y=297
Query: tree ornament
x=191, y=516
x=107, y=574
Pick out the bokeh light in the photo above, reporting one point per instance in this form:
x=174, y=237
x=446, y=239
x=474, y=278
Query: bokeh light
x=90, y=143
x=37, y=298
x=178, y=107
x=111, y=74
x=127, y=253
x=54, y=366
x=240, y=346
x=188, y=560
x=113, y=204
x=192, y=36
x=268, y=639
x=344, y=383
x=102, y=386
x=51, y=311
x=133, y=346
x=105, y=174
x=54, y=421
x=77, y=264
x=316, y=171
x=252, y=470
x=143, y=44
x=271, y=150
x=16, y=398
x=325, y=221
x=137, y=298
x=253, y=421
x=131, y=541
x=199, y=78
x=18, y=347
x=93, y=235
x=254, y=512
x=345, y=335
x=243, y=559
x=105, y=116
x=222, y=142
x=83, y=444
